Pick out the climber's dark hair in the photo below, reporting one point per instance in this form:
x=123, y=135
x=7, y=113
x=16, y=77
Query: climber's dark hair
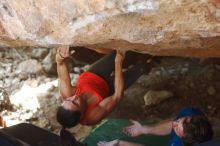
x=67, y=139
x=197, y=130
x=68, y=118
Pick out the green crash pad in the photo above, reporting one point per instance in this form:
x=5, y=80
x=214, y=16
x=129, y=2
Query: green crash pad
x=111, y=129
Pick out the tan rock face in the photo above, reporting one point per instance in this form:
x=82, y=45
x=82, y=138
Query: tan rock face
x=159, y=27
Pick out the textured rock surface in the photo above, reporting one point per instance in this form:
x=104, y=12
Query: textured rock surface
x=153, y=97
x=161, y=27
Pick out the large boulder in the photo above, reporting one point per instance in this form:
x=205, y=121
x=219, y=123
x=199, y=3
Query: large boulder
x=159, y=27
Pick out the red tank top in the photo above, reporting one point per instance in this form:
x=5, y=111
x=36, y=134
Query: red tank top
x=93, y=83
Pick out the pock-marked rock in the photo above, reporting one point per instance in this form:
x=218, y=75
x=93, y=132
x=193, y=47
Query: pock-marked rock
x=153, y=97
x=49, y=63
x=30, y=66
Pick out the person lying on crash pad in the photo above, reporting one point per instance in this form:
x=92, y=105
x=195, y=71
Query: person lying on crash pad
x=190, y=127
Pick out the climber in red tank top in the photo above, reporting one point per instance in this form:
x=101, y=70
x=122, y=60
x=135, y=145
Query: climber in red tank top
x=96, y=92
x=90, y=82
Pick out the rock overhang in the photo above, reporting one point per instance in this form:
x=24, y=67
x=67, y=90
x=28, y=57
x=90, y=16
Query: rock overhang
x=157, y=27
